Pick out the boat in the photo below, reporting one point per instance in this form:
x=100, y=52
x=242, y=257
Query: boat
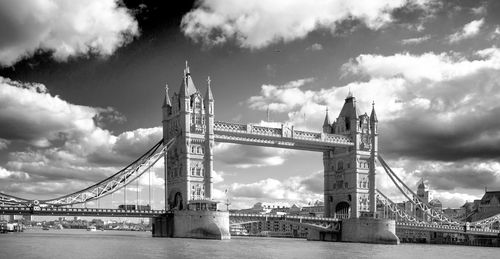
x=91, y=228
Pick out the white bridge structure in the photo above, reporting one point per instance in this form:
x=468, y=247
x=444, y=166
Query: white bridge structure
x=349, y=146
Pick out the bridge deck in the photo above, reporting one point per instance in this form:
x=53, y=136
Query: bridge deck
x=80, y=212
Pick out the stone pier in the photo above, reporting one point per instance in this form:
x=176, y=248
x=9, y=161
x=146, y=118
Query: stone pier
x=369, y=230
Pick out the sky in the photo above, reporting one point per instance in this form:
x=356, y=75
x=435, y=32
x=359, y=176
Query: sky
x=81, y=87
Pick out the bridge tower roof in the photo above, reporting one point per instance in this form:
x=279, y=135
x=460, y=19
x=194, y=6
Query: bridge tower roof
x=166, y=101
x=373, y=116
x=350, y=109
x=187, y=86
x=327, y=119
x=208, y=94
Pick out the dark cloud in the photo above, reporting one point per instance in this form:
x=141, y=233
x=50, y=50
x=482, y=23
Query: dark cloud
x=314, y=183
x=453, y=176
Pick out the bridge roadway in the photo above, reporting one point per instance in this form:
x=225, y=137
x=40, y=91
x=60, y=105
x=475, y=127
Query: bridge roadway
x=80, y=212
x=235, y=218
x=284, y=137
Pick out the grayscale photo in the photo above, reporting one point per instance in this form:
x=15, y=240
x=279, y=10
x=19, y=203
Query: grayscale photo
x=249, y=129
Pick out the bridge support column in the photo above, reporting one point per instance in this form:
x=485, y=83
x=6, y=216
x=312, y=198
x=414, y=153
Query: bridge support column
x=193, y=224
x=369, y=230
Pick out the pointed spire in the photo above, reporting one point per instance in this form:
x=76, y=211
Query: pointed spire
x=267, y=119
x=187, y=87
x=373, y=116
x=209, y=95
x=349, y=94
x=166, y=101
x=327, y=119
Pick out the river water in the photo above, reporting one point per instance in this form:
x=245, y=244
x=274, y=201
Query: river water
x=77, y=244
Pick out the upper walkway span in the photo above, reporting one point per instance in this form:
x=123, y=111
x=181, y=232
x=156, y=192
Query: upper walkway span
x=284, y=137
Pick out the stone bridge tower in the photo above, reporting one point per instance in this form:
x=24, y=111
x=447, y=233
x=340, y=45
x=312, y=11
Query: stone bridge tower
x=349, y=172
x=189, y=117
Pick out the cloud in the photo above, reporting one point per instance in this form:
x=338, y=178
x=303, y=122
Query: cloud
x=315, y=47
x=7, y=174
x=29, y=113
x=217, y=177
x=288, y=96
x=296, y=189
x=480, y=10
x=260, y=23
x=61, y=147
x=242, y=156
x=414, y=41
x=65, y=29
x=468, y=31
x=4, y=143
x=424, y=102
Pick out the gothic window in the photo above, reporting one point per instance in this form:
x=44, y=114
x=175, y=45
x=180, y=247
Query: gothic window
x=198, y=171
x=192, y=170
x=193, y=149
x=340, y=165
x=347, y=124
x=199, y=150
x=198, y=119
x=197, y=104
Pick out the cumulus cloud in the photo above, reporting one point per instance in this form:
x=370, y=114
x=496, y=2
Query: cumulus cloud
x=315, y=47
x=414, y=41
x=63, y=147
x=63, y=28
x=296, y=189
x=259, y=23
x=468, y=31
x=4, y=143
x=242, y=156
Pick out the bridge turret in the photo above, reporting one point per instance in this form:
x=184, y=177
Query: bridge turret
x=209, y=139
x=327, y=126
x=373, y=157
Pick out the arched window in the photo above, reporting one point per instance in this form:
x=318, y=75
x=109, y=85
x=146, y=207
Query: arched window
x=340, y=165
x=193, y=148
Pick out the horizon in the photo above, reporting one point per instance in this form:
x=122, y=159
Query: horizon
x=79, y=101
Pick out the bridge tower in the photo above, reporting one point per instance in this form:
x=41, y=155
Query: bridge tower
x=349, y=172
x=189, y=117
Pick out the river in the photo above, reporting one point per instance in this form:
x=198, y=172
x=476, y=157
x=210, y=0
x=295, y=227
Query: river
x=78, y=244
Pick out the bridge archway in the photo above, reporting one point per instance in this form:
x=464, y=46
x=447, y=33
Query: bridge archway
x=343, y=210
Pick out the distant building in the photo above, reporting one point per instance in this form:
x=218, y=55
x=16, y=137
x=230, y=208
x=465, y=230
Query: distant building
x=457, y=214
x=487, y=206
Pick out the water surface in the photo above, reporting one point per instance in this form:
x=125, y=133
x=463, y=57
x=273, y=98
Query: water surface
x=77, y=244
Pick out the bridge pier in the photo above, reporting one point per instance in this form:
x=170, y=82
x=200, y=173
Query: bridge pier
x=322, y=235
x=369, y=230
x=202, y=224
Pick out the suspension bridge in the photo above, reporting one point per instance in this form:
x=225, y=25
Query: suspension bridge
x=349, y=146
